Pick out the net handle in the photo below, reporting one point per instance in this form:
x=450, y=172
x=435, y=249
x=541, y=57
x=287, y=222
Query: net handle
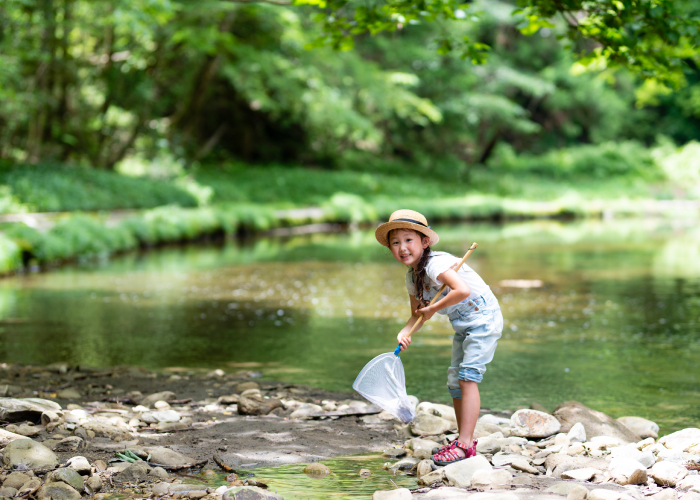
x=420, y=318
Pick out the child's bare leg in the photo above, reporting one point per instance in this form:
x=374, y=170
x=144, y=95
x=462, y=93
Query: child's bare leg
x=467, y=413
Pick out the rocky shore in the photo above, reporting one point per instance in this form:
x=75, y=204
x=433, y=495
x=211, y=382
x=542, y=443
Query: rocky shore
x=70, y=432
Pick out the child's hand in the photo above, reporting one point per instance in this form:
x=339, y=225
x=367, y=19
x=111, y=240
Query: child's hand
x=404, y=341
x=427, y=313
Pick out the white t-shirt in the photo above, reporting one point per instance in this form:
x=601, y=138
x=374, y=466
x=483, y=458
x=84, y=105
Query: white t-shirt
x=439, y=263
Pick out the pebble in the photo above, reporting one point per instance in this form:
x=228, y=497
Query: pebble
x=80, y=465
x=365, y=472
x=94, y=483
x=317, y=470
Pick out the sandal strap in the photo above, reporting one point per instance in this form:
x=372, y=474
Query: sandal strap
x=448, y=454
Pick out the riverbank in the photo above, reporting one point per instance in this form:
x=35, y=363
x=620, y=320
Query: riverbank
x=198, y=427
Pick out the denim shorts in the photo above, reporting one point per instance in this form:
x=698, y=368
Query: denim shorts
x=478, y=324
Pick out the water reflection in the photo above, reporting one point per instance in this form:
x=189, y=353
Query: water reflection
x=615, y=325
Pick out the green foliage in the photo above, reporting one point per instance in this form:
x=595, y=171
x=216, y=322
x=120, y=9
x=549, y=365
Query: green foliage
x=10, y=255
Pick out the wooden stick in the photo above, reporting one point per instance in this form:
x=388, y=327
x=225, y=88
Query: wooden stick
x=420, y=318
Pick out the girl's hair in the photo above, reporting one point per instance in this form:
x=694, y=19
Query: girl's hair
x=419, y=272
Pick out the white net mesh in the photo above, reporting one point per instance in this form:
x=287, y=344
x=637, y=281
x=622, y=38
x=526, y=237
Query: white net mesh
x=382, y=382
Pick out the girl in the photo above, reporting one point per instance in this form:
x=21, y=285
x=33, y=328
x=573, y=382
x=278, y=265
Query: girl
x=469, y=304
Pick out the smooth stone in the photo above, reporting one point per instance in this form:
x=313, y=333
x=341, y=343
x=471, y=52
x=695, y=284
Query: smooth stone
x=7, y=491
x=250, y=493
x=405, y=464
x=159, y=472
x=365, y=472
x=422, y=448
x=436, y=476
x=439, y=410
x=631, y=451
x=94, y=483
x=317, y=469
x=305, y=410
x=489, y=479
x=605, y=494
x=641, y=426
x=246, y=386
x=66, y=475
x=69, y=393
x=577, y=433
x=690, y=483
x=485, y=430
x=562, y=439
x=397, y=494
x=424, y=467
x=105, y=430
x=691, y=496
x=28, y=430
x=184, y=487
x=665, y=494
x=151, y=399
x=80, y=465
x=30, y=487
x=585, y=474
x=493, y=420
x=576, y=449
x=521, y=464
x=134, y=473
x=394, y=453
x=488, y=445
x=534, y=424
x=427, y=424
x=667, y=473
x=57, y=491
x=556, y=459
x=166, y=456
x=460, y=473
x=569, y=490
x=15, y=480
x=681, y=439
x=162, y=489
x=594, y=422
x=25, y=409
x=30, y=453
x=627, y=471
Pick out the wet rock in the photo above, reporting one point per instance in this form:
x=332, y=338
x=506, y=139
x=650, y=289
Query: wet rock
x=427, y=424
x=250, y=493
x=577, y=433
x=460, y=473
x=15, y=480
x=627, y=471
x=159, y=473
x=317, y=470
x=6, y=491
x=166, y=456
x=489, y=479
x=681, y=439
x=394, y=453
x=584, y=474
x=569, y=490
x=30, y=453
x=134, y=473
x=80, y=465
x=405, y=464
x=424, y=467
x=534, y=424
x=151, y=399
x=422, y=448
x=256, y=405
x=641, y=426
x=667, y=473
x=20, y=410
x=434, y=477
x=66, y=475
x=488, y=445
x=594, y=422
x=57, y=491
x=365, y=472
x=94, y=483
x=397, y=494
x=106, y=430
x=69, y=393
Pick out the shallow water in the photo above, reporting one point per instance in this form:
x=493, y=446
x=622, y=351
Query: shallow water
x=615, y=324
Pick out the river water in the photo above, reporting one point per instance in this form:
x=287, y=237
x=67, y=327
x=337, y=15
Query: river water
x=614, y=323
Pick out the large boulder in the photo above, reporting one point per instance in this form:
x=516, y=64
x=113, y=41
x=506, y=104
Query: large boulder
x=19, y=410
x=66, y=475
x=534, y=424
x=460, y=473
x=427, y=424
x=442, y=411
x=681, y=439
x=594, y=422
x=30, y=453
x=641, y=426
x=57, y=491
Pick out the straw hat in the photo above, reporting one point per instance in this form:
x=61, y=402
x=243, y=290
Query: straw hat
x=405, y=219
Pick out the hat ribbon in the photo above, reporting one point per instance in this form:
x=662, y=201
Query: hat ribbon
x=413, y=221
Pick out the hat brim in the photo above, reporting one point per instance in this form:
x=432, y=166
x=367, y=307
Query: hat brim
x=382, y=232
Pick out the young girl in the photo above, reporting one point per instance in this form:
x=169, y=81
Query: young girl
x=469, y=304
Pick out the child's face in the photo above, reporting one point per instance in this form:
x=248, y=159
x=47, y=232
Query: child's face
x=407, y=246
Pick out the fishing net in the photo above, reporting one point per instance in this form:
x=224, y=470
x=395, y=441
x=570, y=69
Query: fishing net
x=382, y=382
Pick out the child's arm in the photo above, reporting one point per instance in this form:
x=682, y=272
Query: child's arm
x=403, y=337
x=459, y=291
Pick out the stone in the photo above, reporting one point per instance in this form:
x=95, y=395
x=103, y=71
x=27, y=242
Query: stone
x=256, y=405
x=151, y=399
x=26, y=409
x=15, y=480
x=7, y=491
x=665, y=494
x=493, y=420
x=584, y=474
x=80, y=465
x=365, y=473
x=405, y=464
x=594, y=422
x=306, y=409
x=562, y=440
x=692, y=495
x=166, y=456
x=424, y=467
x=57, y=491
x=460, y=473
x=555, y=459
x=7, y=436
x=577, y=433
x=427, y=424
x=422, y=448
x=94, y=483
x=439, y=410
x=489, y=479
x=576, y=449
x=667, y=473
x=69, y=393
x=569, y=490
x=30, y=487
x=154, y=417
x=30, y=453
x=245, y=386
x=317, y=470
x=690, y=483
x=605, y=494
x=397, y=494
x=159, y=472
x=627, y=471
x=436, y=476
x=521, y=464
x=196, y=494
x=71, y=443
x=250, y=493
x=681, y=439
x=394, y=453
x=534, y=424
x=28, y=430
x=231, y=399
x=66, y=475
x=641, y=426
x=488, y=445
x=105, y=429
x=161, y=489
x=630, y=451
x=134, y=473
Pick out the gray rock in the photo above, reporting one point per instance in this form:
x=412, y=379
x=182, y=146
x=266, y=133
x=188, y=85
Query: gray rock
x=424, y=467
x=460, y=473
x=57, y=491
x=577, y=433
x=318, y=470
x=521, y=464
x=584, y=474
x=681, y=439
x=405, y=464
x=436, y=476
x=177, y=488
x=488, y=445
x=30, y=453
x=134, y=473
x=71, y=443
x=80, y=465
x=106, y=429
x=10, y=390
x=257, y=405
x=20, y=410
x=151, y=399
x=489, y=479
x=422, y=448
x=94, y=484
x=166, y=456
x=7, y=491
x=665, y=494
x=534, y=424
x=159, y=472
x=66, y=475
x=154, y=417
x=641, y=426
x=245, y=386
x=69, y=393
x=15, y=480
x=28, y=430
x=427, y=424
x=667, y=473
x=572, y=491
x=627, y=471
x=594, y=422
x=161, y=489
x=439, y=410
x=394, y=453
x=250, y=493
x=397, y=494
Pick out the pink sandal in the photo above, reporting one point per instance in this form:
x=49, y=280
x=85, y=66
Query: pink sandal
x=448, y=456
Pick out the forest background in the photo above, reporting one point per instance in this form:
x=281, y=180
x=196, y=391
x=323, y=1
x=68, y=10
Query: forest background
x=222, y=113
